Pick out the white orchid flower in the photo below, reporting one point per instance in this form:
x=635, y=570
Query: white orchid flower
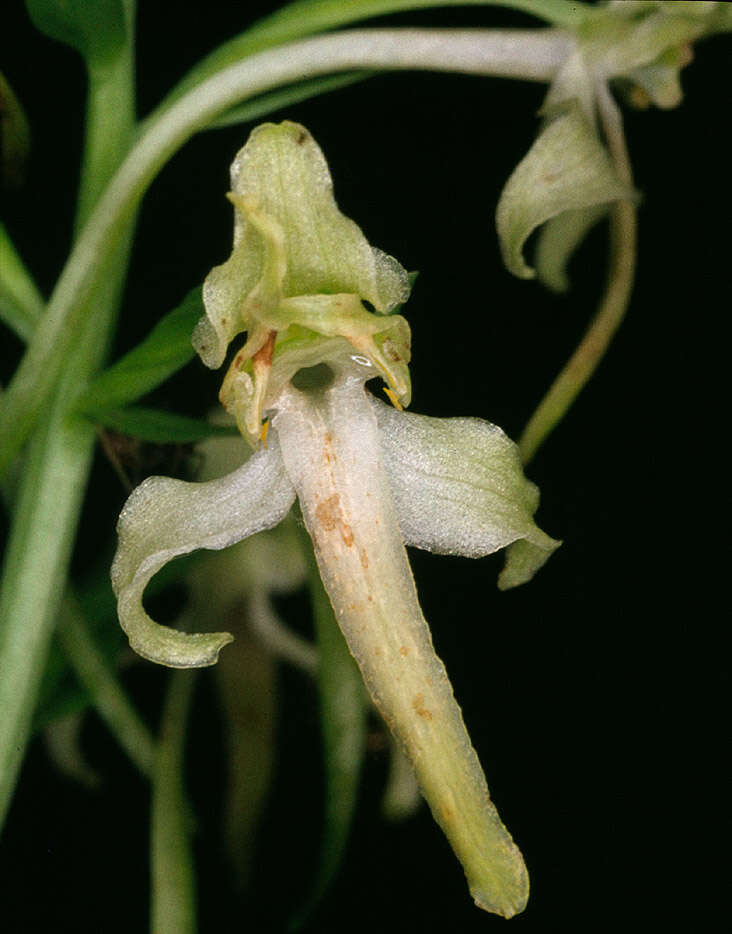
x=369, y=479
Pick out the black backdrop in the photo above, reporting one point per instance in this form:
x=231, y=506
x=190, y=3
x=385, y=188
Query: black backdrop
x=592, y=694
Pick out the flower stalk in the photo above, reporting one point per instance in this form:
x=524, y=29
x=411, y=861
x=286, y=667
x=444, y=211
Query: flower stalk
x=586, y=357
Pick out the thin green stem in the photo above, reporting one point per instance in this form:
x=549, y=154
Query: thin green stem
x=535, y=54
x=109, y=120
x=108, y=696
x=21, y=304
x=173, y=902
x=56, y=469
x=613, y=306
x=51, y=490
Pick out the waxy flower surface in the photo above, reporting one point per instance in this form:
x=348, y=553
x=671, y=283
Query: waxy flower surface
x=369, y=478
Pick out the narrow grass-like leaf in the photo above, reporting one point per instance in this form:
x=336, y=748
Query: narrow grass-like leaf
x=60, y=691
x=98, y=676
x=158, y=426
x=47, y=509
x=164, y=351
x=21, y=304
x=59, y=456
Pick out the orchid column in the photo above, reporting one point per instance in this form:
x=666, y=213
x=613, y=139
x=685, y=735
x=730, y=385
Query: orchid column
x=369, y=478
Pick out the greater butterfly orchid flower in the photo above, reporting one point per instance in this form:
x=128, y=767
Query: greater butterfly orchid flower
x=369, y=478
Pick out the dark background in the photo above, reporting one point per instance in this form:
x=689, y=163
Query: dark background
x=592, y=694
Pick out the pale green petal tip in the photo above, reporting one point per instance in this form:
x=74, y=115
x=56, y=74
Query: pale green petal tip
x=501, y=886
x=149, y=639
x=567, y=169
x=175, y=649
x=510, y=897
x=524, y=558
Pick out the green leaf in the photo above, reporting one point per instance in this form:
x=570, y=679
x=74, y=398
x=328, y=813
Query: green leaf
x=95, y=29
x=21, y=304
x=164, y=351
x=97, y=673
x=60, y=691
x=56, y=466
x=567, y=169
x=158, y=426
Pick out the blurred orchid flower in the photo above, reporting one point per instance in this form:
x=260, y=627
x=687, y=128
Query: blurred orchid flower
x=568, y=180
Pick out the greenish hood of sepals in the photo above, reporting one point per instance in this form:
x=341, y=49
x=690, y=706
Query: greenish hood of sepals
x=283, y=176
x=299, y=275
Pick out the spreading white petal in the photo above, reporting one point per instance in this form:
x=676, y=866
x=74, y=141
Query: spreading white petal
x=164, y=518
x=459, y=489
